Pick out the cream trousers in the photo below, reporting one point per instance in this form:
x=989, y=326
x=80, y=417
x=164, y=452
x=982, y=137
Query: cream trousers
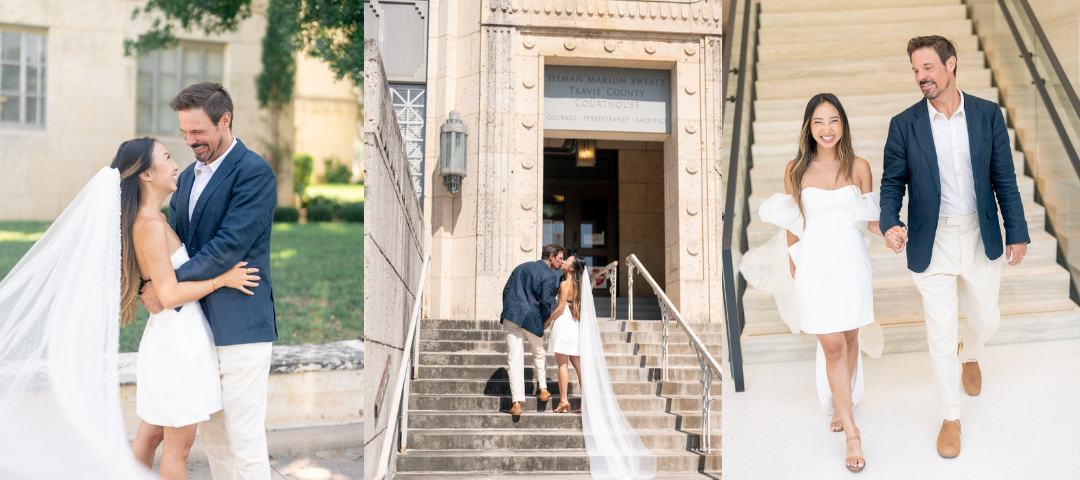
x=235, y=438
x=515, y=356
x=958, y=270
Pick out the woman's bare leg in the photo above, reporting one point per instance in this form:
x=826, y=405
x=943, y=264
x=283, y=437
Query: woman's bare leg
x=564, y=378
x=576, y=361
x=174, y=454
x=147, y=439
x=835, y=346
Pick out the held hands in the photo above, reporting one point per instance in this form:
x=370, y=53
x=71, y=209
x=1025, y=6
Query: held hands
x=895, y=238
x=238, y=278
x=148, y=297
x=1015, y=253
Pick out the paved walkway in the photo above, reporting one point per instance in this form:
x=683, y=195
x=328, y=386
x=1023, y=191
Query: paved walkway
x=335, y=465
x=1024, y=424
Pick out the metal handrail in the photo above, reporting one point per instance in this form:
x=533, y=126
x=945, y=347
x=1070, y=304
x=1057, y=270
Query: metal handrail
x=612, y=267
x=732, y=303
x=1040, y=83
x=708, y=364
x=401, y=389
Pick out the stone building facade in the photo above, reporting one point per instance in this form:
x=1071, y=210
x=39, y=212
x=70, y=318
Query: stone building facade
x=524, y=76
x=70, y=97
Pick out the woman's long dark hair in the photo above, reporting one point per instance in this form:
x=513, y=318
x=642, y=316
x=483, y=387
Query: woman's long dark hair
x=845, y=153
x=132, y=158
x=579, y=269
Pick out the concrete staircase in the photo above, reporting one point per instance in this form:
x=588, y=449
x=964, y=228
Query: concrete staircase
x=459, y=421
x=857, y=50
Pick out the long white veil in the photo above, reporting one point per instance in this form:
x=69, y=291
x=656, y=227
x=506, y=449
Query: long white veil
x=59, y=345
x=615, y=450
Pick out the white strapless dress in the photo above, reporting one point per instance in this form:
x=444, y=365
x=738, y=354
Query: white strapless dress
x=564, y=334
x=833, y=286
x=178, y=379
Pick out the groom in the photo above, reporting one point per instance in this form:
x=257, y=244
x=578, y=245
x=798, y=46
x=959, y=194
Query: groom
x=952, y=153
x=222, y=212
x=527, y=306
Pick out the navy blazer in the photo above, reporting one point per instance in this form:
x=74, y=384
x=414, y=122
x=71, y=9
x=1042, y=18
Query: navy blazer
x=911, y=161
x=527, y=296
x=231, y=223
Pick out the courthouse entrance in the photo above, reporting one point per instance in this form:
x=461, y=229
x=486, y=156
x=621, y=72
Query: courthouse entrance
x=581, y=206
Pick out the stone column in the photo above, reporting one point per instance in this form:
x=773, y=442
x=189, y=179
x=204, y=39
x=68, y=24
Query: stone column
x=496, y=207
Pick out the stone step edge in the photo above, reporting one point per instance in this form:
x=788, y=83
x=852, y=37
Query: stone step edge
x=542, y=453
x=904, y=279
x=917, y=319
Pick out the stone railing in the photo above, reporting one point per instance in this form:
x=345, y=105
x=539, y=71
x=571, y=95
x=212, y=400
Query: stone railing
x=394, y=251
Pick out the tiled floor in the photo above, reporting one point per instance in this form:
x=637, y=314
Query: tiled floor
x=1025, y=423
x=344, y=465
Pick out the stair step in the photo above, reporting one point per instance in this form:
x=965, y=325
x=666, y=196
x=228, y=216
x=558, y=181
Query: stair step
x=861, y=15
x=544, y=475
x=492, y=403
x=679, y=346
x=674, y=335
x=499, y=372
x=1054, y=320
x=795, y=88
x=541, y=439
x=856, y=106
x=842, y=50
x=800, y=6
x=687, y=421
x=571, y=460
x=898, y=295
x=615, y=360
x=502, y=387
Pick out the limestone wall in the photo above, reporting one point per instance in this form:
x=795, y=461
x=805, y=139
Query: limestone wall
x=1061, y=22
x=393, y=251
x=495, y=51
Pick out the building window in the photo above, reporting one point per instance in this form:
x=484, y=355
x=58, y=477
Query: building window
x=22, y=79
x=409, y=103
x=162, y=74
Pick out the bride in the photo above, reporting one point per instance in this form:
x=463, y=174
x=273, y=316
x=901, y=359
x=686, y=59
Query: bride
x=615, y=450
x=60, y=310
x=829, y=200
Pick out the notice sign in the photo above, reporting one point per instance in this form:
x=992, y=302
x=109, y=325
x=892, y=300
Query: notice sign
x=607, y=99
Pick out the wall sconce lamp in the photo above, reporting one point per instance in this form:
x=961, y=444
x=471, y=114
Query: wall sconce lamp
x=586, y=153
x=453, y=151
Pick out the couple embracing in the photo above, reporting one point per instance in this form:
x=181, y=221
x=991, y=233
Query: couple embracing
x=556, y=292
x=951, y=153
x=203, y=273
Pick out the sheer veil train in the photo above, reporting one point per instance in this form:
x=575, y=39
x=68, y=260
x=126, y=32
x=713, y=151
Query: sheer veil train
x=59, y=344
x=615, y=450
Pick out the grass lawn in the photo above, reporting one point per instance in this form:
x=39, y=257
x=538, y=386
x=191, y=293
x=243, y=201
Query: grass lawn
x=342, y=193
x=318, y=272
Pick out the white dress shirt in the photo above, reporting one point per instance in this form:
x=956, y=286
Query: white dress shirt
x=954, y=161
x=203, y=172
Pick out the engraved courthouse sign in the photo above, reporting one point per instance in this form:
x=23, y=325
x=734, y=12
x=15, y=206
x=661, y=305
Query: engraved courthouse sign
x=607, y=99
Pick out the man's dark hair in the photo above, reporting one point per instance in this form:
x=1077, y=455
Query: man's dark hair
x=944, y=47
x=551, y=250
x=211, y=97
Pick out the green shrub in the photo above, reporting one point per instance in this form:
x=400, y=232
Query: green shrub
x=321, y=200
x=336, y=172
x=165, y=211
x=286, y=214
x=351, y=212
x=302, y=167
x=320, y=213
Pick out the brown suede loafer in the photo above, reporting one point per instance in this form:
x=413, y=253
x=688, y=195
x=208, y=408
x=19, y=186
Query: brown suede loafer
x=971, y=378
x=516, y=410
x=544, y=395
x=948, y=440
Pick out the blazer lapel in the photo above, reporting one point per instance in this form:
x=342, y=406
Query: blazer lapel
x=975, y=134
x=924, y=136
x=222, y=172
x=183, y=194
